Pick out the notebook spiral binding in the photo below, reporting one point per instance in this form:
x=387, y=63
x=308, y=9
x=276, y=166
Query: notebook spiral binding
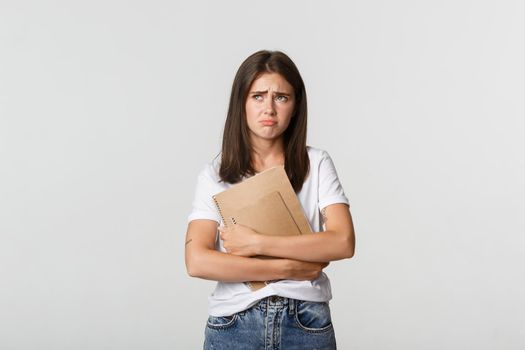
x=235, y=222
x=219, y=209
x=220, y=213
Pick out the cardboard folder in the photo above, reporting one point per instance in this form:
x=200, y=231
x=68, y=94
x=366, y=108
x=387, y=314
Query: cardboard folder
x=265, y=202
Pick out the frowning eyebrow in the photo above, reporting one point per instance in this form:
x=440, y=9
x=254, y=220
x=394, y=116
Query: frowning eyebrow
x=266, y=91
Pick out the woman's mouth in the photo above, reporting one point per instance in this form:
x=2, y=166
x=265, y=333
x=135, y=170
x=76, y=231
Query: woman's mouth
x=268, y=122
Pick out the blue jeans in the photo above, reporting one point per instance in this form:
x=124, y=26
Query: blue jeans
x=273, y=323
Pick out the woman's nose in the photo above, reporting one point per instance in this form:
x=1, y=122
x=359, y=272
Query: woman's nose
x=269, y=107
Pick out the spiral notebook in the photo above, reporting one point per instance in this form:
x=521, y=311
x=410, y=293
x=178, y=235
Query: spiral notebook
x=265, y=202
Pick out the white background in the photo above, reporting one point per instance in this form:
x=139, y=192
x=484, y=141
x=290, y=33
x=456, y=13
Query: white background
x=109, y=109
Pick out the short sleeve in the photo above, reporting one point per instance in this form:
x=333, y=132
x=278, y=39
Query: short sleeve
x=330, y=188
x=203, y=206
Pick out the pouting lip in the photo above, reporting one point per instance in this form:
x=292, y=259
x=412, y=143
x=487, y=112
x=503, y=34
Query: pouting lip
x=268, y=121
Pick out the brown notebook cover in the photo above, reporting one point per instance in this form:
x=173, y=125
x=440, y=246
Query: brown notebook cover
x=265, y=202
x=268, y=216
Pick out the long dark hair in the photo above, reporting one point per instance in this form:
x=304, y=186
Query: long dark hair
x=236, y=158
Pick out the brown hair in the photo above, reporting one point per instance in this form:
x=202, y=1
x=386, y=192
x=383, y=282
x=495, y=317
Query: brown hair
x=236, y=158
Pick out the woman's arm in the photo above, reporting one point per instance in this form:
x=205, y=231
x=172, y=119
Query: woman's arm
x=203, y=261
x=337, y=242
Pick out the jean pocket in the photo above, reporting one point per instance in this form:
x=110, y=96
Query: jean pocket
x=313, y=316
x=221, y=322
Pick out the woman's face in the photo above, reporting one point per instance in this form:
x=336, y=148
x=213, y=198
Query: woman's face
x=269, y=107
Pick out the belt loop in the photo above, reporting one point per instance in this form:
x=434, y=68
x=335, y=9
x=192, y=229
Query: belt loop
x=291, y=306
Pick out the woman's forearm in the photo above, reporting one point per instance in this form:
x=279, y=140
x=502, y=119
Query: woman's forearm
x=317, y=247
x=335, y=243
x=203, y=261
x=218, y=266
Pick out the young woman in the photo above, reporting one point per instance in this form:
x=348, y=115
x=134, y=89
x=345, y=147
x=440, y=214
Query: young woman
x=266, y=127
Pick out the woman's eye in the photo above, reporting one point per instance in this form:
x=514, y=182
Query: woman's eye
x=281, y=98
x=257, y=97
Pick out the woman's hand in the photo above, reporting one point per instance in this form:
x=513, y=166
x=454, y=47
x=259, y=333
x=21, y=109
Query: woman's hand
x=303, y=270
x=240, y=240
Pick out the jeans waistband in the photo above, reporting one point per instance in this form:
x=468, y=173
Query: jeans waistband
x=277, y=302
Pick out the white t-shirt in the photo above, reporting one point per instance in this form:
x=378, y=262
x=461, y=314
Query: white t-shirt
x=320, y=189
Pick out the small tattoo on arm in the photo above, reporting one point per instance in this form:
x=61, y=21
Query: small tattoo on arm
x=323, y=213
x=188, y=241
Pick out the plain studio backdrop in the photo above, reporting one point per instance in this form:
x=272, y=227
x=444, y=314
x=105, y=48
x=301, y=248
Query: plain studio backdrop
x=109, y=109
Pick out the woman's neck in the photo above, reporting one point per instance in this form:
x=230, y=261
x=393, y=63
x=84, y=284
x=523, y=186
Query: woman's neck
x=267, y=155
